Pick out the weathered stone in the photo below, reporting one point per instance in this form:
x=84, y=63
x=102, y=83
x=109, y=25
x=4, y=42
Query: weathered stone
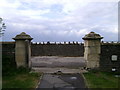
x=23, y=36
x=92, y=36
x=92, y=48
x=22, y=49
x=67, y=50
x=106, y=62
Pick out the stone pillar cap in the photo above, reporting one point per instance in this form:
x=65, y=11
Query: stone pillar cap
x=92, y=36
x=23, y=36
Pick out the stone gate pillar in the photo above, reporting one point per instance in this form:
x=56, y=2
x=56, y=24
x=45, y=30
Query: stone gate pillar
x=22, y=49
x=92, y=45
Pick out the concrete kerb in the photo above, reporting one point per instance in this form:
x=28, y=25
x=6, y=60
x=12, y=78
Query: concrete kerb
x=40, y=80
x=86, y=84
x=63, y=70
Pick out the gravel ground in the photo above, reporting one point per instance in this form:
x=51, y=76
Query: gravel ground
x=54, y=61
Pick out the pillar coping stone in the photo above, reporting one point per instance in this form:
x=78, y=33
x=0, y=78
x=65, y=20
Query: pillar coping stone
x=92, y=36
x=23, y=36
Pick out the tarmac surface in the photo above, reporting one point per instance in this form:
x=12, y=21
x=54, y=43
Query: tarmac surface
x=62, y=82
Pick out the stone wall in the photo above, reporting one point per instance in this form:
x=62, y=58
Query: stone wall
x=53, y=49
x=8, y=48
x=107, y=50
x=8, y=56
x=47, y=49
x=73, y=49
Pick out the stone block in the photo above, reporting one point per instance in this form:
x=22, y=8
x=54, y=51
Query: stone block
x=92, y=64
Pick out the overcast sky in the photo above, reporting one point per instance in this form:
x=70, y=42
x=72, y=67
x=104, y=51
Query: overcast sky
x=60, y=20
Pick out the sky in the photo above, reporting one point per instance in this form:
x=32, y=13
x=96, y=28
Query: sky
x=60, y=20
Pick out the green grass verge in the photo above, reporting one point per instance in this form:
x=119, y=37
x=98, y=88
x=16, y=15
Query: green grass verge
x=20, y=78
x=101, y=80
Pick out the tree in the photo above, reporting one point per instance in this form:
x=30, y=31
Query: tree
x=2, y=27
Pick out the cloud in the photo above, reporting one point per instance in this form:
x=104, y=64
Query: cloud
x=57, y=20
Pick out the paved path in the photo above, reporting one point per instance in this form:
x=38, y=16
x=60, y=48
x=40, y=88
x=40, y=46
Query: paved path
x=61, y=82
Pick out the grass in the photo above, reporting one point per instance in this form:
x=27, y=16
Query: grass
x=20, y=78
x=101, y=80
x=13, y=77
